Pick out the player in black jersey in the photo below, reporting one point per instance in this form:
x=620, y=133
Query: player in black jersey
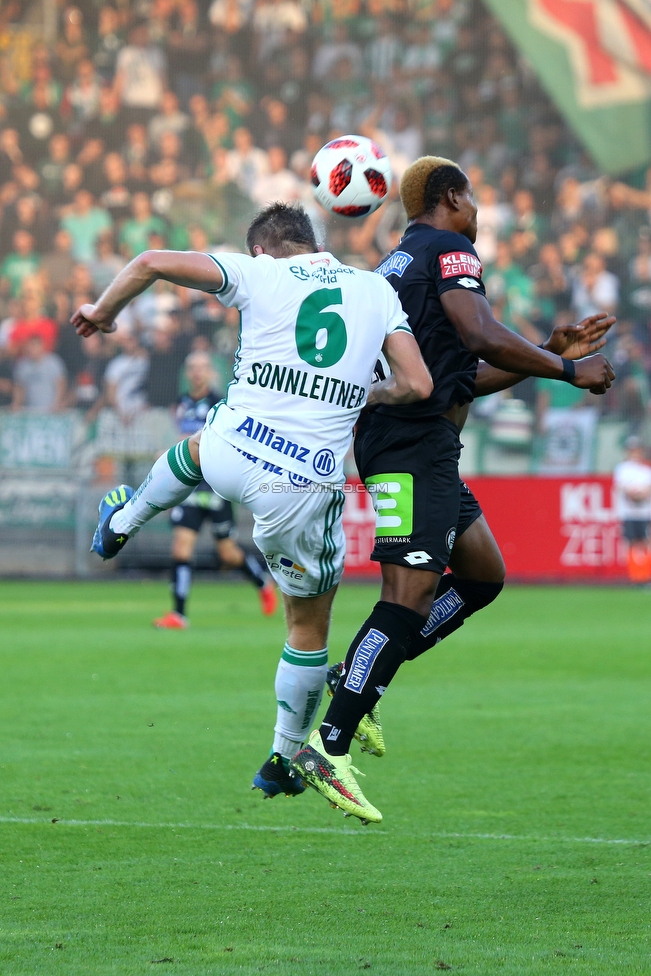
x=408, y=455
x=204, y=505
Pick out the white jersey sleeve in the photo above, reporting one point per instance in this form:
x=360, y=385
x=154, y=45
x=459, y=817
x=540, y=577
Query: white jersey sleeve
x=238, y=271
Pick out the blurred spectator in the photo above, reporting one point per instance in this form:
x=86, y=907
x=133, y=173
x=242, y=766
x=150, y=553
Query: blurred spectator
x=279, y=183
x=19, y=264
x=594, y=289
x=166, y=357
x=85, y=221
x=87, y=375
x=640, y=275
x=109, y=41
x=140, y=75
x=71, y=47
x=116, y=198
x=126, y=377
x=58, y=263
x=52, y=169
x=169, y=119
x=274, y=23
x=246, y=164
x=107, y=265
x=31, y=322
x=39, y=379
x=134, y=236
x=83, y=95
x=187, y=46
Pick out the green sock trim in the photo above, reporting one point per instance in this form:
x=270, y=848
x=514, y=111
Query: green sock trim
x=182, y=465
x=305, y=659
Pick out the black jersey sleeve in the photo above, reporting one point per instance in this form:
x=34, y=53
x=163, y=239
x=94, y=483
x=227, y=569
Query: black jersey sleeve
x=454, y=264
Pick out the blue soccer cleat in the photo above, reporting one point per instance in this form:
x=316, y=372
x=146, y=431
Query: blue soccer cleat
x=107, y=543
x=274, y=778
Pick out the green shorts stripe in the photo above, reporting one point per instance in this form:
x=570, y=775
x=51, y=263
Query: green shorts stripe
x=329, y=550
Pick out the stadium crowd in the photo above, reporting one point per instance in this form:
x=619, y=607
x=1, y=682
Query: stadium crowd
x=162, y=123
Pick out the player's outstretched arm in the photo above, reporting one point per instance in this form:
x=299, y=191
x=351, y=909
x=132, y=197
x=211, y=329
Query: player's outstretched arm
x=483, y=335
x=191, y=269
x=410, y=378
x=569, y=341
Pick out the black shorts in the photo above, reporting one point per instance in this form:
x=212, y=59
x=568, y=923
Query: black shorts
x=411, y=468
x=635, y=530
x=192, y=517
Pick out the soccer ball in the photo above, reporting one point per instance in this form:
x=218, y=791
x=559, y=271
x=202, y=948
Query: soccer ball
x=351, y=176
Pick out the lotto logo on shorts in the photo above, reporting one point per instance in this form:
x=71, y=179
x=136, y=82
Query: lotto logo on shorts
x=364, y=659
x=459, y=263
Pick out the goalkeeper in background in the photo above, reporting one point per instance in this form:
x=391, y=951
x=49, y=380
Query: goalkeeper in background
x=204, y=505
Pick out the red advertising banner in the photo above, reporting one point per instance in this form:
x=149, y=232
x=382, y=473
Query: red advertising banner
x=547, y=528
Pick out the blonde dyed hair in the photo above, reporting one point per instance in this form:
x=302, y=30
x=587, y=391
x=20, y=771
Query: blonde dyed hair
x=414, y=183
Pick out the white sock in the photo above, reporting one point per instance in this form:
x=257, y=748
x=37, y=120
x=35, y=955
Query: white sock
x=300, y=680
x=171, y=480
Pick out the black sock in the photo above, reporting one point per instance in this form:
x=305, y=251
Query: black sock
x=378, y=650
x=180, y=585
x=252, y=568
x=455, y=601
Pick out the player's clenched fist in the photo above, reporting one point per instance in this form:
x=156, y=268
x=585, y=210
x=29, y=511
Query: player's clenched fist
x=87, y=319
x=594, y=373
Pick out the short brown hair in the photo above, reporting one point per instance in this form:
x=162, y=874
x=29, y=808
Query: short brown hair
x=426, y=181
x=282, y=228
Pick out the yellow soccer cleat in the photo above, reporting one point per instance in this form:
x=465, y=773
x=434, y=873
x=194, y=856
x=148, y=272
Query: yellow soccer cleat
x=332, y=777
x=369, y=731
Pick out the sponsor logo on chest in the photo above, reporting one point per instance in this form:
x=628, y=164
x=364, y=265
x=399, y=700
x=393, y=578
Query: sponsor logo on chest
x=395, y=264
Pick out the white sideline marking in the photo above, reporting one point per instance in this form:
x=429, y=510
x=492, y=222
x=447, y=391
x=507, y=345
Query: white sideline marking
x=325, y=830
x=180, y=826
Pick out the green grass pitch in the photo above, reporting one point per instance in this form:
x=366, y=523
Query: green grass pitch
x=515, y=794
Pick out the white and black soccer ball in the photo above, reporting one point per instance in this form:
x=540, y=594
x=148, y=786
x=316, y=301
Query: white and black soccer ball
x=351, y=176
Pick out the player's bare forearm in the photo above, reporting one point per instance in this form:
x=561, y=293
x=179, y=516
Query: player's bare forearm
x=569, y=341
x=410, y=378
x=190, y=269
x=483, y=335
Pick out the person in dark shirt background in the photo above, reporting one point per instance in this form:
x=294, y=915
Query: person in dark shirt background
x=204, y=505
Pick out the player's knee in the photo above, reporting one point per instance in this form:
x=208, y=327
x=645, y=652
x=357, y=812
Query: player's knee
x=478, y=594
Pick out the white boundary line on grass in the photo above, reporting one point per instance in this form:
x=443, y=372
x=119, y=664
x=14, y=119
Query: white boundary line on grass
x=442, y=835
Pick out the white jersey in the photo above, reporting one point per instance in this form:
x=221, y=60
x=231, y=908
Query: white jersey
x=632, y=483
x=311, y=332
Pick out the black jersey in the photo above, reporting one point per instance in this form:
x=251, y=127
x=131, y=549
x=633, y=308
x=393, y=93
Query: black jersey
x=191, y=413
x=190, y=417
x=427, y=263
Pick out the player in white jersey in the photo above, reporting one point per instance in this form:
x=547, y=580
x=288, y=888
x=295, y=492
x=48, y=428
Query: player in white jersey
x=311, y=332
x=632, y=497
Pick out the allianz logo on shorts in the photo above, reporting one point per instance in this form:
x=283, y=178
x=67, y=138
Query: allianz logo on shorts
x=284, y=565
x=363, y=660
x=263, y=434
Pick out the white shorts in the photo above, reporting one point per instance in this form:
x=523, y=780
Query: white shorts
x=298, y=526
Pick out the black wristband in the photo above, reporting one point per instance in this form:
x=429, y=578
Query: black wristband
x=569, y=370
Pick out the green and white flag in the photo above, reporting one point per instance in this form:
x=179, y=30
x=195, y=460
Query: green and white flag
x=594, y=59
